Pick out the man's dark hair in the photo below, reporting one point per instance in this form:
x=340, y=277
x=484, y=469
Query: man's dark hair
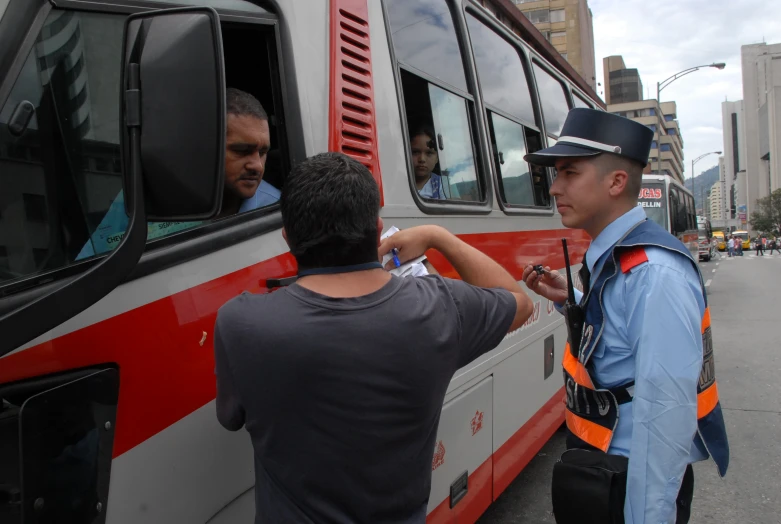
x=608, y=162
x=240, y=103
x=330, y=204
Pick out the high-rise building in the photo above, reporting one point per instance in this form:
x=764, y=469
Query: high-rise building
x=761, y=65
x=621, y=84
x=715, y=200
x=734, y=176
x=668, y=142
x=568, y=25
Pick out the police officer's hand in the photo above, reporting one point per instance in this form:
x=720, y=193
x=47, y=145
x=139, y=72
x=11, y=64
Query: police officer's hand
x=550, y=284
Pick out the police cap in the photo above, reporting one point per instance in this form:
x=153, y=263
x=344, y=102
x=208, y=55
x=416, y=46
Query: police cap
x=589, y=132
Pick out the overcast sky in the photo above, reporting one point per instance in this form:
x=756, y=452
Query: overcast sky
x=662, y=37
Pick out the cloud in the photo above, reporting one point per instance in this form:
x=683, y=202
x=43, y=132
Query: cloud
x=662, y=37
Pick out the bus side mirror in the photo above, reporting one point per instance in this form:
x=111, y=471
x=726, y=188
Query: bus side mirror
x=173, y=93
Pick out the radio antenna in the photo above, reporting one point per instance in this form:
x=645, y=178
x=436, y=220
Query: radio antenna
x=570, y=287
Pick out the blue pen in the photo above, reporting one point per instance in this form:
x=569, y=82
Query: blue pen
x=395, y=253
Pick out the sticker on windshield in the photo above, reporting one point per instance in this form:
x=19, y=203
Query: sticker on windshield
x=650, y=193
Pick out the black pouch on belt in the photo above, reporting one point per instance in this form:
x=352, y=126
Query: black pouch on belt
x=589, y=487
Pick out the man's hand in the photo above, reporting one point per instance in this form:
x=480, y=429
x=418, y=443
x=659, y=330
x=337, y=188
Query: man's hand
x=550, y=284
x=411, y=243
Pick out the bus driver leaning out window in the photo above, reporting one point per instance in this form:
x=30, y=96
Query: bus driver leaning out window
x=247, y=143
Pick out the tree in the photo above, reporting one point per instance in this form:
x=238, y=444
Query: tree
x=767, y=215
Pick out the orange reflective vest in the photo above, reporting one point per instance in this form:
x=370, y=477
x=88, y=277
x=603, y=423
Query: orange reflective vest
x=592, y=411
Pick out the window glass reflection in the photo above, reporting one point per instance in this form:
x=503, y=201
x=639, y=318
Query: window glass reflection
x=554, y=102
x=424, y=37
x=502, y=78
x=456, y=157
x=579, y=102
x=513, y=169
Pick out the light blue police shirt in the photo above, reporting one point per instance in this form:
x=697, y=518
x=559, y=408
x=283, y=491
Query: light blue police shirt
x=114, y=223
x=652, y=333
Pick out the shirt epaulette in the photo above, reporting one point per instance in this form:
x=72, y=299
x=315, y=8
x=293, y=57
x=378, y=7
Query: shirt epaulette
x=632, y=258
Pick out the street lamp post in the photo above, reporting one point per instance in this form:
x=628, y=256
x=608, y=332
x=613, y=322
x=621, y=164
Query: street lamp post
x=702, y=198
x=661, y=85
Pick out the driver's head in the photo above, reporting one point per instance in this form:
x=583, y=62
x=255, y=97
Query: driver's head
x=247, y=143
x=330, y=212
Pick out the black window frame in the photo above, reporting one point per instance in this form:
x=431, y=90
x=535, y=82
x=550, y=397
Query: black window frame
x=583, y=98
x=189, y=244
x=477, y=127
x=524, y=56
x=546, y=136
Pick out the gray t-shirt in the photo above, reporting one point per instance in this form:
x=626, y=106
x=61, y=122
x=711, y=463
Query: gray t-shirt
x=342, y=396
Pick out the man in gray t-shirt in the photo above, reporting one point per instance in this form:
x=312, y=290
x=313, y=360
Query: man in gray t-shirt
x=340, y=377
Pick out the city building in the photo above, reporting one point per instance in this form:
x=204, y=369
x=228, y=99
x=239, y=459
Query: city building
x=733, y=177
x=621, y=84
x=667, y=135
x=714, y=199
x=568, y=25
x=762, y=104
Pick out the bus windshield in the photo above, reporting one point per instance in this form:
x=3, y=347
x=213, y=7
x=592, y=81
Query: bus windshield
x=743, y=235
x=653, y=201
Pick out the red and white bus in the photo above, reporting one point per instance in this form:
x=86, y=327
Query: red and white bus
x=107, y=378
x=668, y=203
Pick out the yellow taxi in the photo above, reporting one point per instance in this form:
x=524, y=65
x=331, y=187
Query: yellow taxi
x=743, y=236
x=721, y=244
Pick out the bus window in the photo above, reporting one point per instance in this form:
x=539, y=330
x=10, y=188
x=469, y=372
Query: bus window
x=552, y=99
x=692, y=212
x=438, y=107
x=60, y=170
x=424, y=38
x=673, y=211
x=61, y=198
x=678, y=213
x=509, y=150
x=580, y=102
x=500, y=70
x=510, y=114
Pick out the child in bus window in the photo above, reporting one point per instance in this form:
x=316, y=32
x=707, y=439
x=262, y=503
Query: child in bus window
x=425, y=160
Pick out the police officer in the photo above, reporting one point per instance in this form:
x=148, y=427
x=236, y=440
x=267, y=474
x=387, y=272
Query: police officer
x=641, y=389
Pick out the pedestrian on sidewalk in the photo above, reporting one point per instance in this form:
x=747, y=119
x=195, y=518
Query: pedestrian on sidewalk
x=340, y=377
x=635, y=354
x=730, y=247
x=760, y=247
x=739, y=246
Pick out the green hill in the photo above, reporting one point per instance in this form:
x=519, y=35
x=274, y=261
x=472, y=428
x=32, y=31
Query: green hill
x=702, y=184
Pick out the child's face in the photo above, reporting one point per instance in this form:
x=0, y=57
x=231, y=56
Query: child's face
x=424, y=157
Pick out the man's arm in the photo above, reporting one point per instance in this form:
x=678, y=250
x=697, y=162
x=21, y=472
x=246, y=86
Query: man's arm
x=474, y=266
x=664, y=325
x=230, y=412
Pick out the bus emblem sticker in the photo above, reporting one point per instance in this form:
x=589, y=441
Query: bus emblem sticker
x=439, y=456
x=477, y=422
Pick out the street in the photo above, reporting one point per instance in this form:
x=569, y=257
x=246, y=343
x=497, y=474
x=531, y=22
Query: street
x=744, y=311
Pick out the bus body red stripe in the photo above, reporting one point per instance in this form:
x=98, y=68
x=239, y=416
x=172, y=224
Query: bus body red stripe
x=166, y=374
